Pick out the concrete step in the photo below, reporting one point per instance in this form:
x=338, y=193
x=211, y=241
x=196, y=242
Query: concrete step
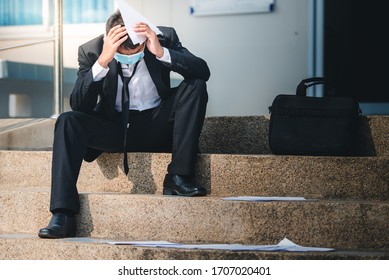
x=28, y=247
x=316, y=223
x=347, y=207
x=26, y=134
x=220, y=135
x=221, y=174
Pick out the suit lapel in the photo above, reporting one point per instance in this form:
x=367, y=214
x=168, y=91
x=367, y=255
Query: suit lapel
x=111, y=85
x=155, y=70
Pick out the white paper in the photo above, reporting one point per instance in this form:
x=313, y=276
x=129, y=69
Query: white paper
x=283, y=245
x=130, y=18
x=265, y=198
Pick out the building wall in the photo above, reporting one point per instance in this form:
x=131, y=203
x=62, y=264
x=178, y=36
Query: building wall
x=252, y=57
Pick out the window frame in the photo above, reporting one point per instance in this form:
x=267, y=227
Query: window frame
x=45, y=30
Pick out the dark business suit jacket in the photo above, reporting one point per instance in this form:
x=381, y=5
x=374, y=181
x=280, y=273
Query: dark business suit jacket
x=85, y=94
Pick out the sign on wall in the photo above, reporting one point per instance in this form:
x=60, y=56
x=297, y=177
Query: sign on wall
x=226, y=7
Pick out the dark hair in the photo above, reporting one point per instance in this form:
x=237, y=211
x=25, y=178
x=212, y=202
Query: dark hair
x=116, y=19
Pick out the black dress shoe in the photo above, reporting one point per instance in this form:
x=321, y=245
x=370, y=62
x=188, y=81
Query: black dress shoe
x=60, y=226
x=181, y=185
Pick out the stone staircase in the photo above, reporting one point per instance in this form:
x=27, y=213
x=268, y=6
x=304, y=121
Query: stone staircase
x=346, y=206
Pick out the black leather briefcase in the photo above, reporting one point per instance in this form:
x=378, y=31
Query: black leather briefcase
x=304, y=125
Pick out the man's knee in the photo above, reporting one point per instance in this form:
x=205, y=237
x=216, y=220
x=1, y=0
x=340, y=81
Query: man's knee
x=197, y=84
x=197, y=88
x=68, y=118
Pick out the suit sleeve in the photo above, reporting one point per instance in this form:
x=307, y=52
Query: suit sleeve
x=85, y=92
x=183, y=61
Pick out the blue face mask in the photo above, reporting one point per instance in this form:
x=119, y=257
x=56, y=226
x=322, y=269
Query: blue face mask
x=129, y=59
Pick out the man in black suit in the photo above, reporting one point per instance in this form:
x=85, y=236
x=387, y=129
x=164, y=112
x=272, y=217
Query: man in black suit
x=144, y=115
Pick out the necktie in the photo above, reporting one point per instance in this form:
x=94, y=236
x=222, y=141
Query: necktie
x=126, y=110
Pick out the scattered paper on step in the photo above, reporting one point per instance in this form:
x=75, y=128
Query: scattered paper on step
x=265, y=198
x=283, y=245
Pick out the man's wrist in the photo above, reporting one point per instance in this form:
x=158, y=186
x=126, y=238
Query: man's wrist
x=166, y=56
x=103, y=62
x=160, y=53
x=99, y=72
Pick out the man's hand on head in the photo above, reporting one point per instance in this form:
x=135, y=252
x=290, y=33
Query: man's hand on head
x=115, y=37
x=152, y=41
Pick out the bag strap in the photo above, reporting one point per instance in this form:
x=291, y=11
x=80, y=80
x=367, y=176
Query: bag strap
x=306, y=83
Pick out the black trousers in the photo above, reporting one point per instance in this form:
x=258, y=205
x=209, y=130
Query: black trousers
x=174, y=126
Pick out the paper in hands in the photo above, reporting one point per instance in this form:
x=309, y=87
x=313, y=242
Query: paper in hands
x=131, y=17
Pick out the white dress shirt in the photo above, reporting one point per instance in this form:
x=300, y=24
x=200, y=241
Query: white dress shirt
x=143, y=93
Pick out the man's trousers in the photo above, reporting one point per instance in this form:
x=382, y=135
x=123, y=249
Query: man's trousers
x=174, y=126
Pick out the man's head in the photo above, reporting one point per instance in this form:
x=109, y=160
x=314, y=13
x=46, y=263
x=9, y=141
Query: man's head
x=116, y=19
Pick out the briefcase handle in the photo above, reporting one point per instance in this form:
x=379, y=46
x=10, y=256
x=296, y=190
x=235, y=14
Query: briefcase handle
x=306, y=83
